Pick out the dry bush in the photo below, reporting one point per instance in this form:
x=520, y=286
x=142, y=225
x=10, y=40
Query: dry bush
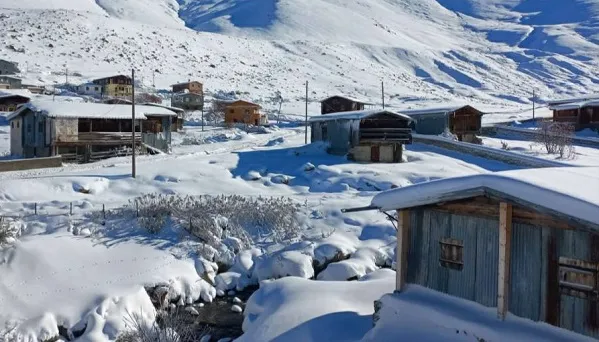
x=556, y=138
x=504, y=145
x=212, y=218
x=216, y=112
x=167, y=328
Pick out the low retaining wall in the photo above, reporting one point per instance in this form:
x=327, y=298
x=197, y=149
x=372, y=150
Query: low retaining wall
x=30, y=163
x=530, y=134
x=486, y=152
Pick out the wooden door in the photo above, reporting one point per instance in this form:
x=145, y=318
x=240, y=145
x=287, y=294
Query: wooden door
x=375, y=153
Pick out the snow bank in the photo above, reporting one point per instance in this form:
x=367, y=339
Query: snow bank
x=294, y=309
x=362, y=262
x=284, y=264
x=420, y=314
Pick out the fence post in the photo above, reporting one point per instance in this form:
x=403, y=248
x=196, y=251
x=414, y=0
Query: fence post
x=71, y=209
x=35, y=208
x=104, y=211
x=136, y=209
x=190, y=225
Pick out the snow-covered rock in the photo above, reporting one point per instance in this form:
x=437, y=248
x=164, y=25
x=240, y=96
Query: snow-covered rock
x=284, y=264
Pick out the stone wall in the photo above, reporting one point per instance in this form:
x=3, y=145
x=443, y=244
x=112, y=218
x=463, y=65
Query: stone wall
x=30, y=163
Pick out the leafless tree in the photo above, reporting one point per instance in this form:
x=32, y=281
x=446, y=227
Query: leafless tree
x=216, y=111
x=556, y=138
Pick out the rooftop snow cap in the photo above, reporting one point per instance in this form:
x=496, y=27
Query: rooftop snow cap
x=86, y=110
x=356, y=115
x=571, y=191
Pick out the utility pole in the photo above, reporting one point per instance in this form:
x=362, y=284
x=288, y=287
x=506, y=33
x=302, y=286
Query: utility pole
x=306, y=128
x=133, y=123
x=533, y=104
x=154, y=79
x=202, y=118
x=66, y=76
x=383, y=93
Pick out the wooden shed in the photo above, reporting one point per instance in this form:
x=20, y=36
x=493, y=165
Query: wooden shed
x=340, y=103
x=525, y=242
x=583, y=114
x=86, y=132
x=463, y=121
x=177, y=121
x=366, y=136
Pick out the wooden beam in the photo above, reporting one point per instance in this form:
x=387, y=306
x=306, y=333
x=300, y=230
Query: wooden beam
x=505, y=244
x=403, y=243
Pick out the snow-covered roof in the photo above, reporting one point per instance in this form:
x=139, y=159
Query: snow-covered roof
x=64, y=109
x=174, y=109
x=21, y=92
x=576, y=105
x=571, y=191
x=573, y=99
x=4, y=95
x=432, y=110
x=354, y=99
x=356, y=115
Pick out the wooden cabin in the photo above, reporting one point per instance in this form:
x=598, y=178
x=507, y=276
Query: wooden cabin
x=85, y=132
x=339, y=103
x=177, y=122
x=463, y=121
x=524, y=242
x=364, y=136
x=191, y=86
x=10, y=102
x=244, y=112
x=583, y=114
x=565, y=100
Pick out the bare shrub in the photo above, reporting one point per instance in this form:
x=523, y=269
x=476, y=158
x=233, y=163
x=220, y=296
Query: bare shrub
x=505, y=146
x=213, y=218
x=216, y=111
x=166, y=328
x=556, y=138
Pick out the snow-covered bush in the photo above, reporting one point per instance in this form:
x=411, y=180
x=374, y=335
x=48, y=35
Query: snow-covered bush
x=213, y=219
x=9, y=230
x=556, y=138
x=448, y=135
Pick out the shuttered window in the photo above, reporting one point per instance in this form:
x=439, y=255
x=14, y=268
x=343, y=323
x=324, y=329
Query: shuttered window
x=452, y=253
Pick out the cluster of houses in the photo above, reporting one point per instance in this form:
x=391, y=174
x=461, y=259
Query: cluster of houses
x=582, y=112
x=378, y=135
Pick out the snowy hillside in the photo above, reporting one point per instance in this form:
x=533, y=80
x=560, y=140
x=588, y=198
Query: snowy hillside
x=492, y=52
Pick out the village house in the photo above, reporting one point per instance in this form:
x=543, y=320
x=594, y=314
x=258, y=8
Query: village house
x=188, y=95
x=582, y=114
x=86, y=131
x=8, y=67
x=10, y=82
x=366, y=136
x=240, y=111
x=339, y=103
x=9, y=102
x=463, y=121
x=90, y=89
x=524, y=242
x=117, y=86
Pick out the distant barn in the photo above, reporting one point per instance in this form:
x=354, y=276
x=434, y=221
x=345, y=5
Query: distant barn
x=339, y=103
x=463, y=121
x=366, y=136
x=582, y=114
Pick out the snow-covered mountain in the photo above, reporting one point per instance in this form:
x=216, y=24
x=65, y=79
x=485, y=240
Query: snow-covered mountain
x=489, y=51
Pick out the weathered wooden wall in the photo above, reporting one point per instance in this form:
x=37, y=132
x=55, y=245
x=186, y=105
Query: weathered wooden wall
x=534, y=272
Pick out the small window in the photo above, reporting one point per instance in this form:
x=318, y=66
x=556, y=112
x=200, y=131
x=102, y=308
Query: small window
x=87, y=89
x=578, y=278
x=17, y=124
x=40, y=127
x=452, y=253
x=231, y=111
x=12, y=124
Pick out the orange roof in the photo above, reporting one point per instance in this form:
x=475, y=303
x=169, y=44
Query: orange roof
x=242, y=103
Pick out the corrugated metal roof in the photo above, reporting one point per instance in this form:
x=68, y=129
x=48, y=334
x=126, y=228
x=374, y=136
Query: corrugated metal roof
x=85, y=110
x=355, y=115
x=574, y=99
x=576, y=105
